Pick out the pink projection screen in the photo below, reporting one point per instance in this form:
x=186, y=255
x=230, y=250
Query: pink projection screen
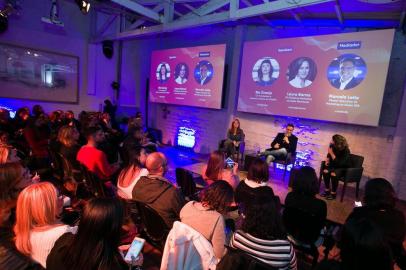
x=338, y=78
x=188, y=76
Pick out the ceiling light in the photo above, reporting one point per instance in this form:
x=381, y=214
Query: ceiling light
x=84, y=5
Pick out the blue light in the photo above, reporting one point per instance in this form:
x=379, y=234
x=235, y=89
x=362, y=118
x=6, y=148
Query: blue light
x=186, y=137
x=10, y=110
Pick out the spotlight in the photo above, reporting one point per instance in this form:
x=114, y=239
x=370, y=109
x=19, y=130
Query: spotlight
x=84, y=5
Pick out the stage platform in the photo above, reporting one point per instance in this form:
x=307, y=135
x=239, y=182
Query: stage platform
x=336, y=211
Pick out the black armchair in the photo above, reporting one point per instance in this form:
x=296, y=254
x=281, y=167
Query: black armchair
x=289, y=160
x=239, y=153
x=348, y=175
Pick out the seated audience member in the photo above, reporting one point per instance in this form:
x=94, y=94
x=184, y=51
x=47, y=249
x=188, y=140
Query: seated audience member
x=95, y=246
x=70, y=120
x=130, y=175
x=37, y=226
x=235, y=135
x=362, y=246
x=216, y=170
x=68, y=137
x=8, y=154
x=379, y=208
x=156, y=191
x=255, y=185
x=206, y=216
x=338, y=157
x=303, y=195
x=283, y=144
x=94, y=159
x=263, y=236
x=12, y=180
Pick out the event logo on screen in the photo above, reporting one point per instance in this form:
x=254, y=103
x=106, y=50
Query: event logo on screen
x=346, y=71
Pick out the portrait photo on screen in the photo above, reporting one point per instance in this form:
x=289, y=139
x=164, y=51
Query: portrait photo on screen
x=265, y=71
x=204, y=72
x=301, y=72
x=163, y=72
x=346, y=71
x=181, y=73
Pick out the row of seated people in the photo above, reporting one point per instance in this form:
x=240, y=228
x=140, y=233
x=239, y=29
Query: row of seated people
x=261, y=231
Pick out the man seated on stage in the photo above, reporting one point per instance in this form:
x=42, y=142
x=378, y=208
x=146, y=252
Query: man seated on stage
x=94, y=159
x=157, y=192
x=284, y=143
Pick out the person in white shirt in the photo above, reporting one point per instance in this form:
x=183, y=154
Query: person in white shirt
x=302, y=71
x=37, y=226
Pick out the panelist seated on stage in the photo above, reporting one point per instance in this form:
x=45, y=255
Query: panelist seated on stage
x=235, y=136
x=283, y=144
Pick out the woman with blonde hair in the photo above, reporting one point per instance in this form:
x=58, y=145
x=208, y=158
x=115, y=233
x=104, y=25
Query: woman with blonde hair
x=37, y=226
x=216, y=169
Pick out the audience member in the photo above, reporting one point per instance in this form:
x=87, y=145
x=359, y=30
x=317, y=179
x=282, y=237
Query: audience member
x=8, y=154
x=216, y=170
x=255, y=185
x=12, y=180
x=157, y=191
x=94, y=159
x=235, y=135
x=95, y=246
x=263, y=236
x=130, y=175
x=338, y=157
x=303, y=195
x=206, y=216
x=37, y=226
x=379, y=208
x=68, y=137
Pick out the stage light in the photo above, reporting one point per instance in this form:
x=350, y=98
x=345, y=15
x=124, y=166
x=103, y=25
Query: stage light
x=84, y=5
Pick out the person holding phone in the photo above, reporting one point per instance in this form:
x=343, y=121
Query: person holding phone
x=217, y=169
x=284, y=143
x=96, y=244
x=338, y=157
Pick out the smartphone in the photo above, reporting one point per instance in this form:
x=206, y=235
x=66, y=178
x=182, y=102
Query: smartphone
x=357, y=203
x=134, y=250
x=229, y=162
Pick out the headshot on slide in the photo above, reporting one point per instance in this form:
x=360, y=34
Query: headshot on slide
x=163, y=72
x=181, y=73
x=301, y=72
x=203, y=72
x=265, y=71
x=346, y=71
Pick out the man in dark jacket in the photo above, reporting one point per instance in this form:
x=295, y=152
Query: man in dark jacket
x=284, y=143
x=158, y=192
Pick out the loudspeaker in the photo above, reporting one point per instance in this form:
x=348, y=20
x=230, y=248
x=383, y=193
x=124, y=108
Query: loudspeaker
x=3, y=23
x=108, y=48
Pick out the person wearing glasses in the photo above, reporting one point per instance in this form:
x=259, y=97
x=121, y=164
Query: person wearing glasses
x=284, y=143
x=346, y=72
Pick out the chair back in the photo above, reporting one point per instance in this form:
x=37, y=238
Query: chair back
x=92, y=183
x=239, y=260
x=356, y=161
x=302, y=225
x=184, y=180
x=154, y=227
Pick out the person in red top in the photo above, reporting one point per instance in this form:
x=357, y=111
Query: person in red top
x=94, y=159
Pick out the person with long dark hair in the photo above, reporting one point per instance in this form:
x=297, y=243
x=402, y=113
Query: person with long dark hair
x=95, y=246
x=263, y=236
x=301, y=73
x=206, y=216
x=216, y=170
x=338, y=157
x=235, y=135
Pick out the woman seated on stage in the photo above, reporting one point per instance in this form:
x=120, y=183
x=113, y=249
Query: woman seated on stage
x=263, y=236
x=216, y=169
x=338, y=157
x=206, y=216
x=37, y=226
x=130, y=175
x=255, y=185
x=235, y=136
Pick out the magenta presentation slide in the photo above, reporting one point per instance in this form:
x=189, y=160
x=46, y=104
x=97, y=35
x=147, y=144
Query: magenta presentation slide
x=339, y=78
x=188, y=76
